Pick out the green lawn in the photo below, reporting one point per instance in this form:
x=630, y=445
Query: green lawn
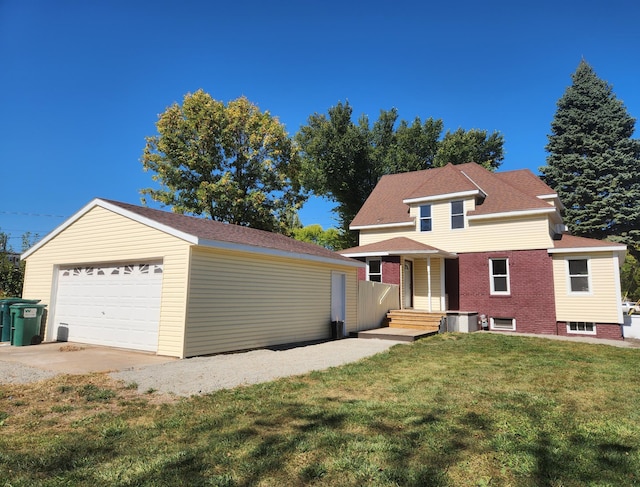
x=479, y=409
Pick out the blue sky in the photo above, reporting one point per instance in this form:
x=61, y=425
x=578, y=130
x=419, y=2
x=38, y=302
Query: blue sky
x=82, y=82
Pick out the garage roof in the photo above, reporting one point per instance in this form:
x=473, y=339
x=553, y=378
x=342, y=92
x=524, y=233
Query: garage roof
x=208, y=233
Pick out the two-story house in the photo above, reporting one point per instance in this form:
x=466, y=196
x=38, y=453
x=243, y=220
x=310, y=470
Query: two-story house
x=460, y=237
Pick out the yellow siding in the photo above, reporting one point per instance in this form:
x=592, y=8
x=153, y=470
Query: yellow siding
x=240, y=301
x=101, y=236
x=421, y=284
x=601, y=304
x=522, y=233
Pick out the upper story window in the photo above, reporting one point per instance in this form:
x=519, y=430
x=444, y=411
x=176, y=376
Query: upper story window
x=578, y=275
x=457, y=214
x=374, y=270
x=499, y=269
x=425, y=218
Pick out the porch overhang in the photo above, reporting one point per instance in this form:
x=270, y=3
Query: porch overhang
x=397, y=247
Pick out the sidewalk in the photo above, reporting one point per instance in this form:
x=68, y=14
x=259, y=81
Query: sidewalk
x=626, y=343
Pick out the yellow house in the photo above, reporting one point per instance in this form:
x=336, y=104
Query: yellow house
x=127, y=276
x=463, y=240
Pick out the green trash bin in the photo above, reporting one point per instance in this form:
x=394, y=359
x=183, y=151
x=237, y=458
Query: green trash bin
x=25, y=323
x=5, y=315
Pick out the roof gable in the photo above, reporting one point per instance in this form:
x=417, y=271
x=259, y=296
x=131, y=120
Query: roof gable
x=208, y=233
x=499, y=193
x=395, y=246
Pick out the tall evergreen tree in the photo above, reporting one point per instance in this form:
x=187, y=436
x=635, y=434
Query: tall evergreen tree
x=593, y=163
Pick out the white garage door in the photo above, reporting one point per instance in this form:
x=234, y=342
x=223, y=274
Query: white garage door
x=114, y=305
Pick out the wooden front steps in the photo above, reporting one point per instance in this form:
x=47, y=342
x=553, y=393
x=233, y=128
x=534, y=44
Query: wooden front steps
x=414, y=320
x=406, y=325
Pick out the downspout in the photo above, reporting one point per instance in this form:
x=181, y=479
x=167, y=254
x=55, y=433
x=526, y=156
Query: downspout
x=429, y=283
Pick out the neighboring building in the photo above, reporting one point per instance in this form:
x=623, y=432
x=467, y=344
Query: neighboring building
x=11, y=257
x=132, y=277
x=462, y=238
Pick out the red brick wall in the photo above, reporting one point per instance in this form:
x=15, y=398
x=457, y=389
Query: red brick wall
x=610, y=331
x=391, y=270
x=531, y=301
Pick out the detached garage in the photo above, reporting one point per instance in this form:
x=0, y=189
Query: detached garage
x=132, y=277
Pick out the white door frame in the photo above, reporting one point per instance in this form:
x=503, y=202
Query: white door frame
x=339, y=296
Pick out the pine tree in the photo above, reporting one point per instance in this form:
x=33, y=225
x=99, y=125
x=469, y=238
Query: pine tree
x=593, y=163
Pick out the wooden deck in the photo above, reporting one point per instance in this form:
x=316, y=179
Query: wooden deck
x=397, y=334
x=406, y=325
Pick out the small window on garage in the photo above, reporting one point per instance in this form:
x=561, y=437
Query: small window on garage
x=507, y=324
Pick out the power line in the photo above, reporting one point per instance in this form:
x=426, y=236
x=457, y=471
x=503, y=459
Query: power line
x=21, y=213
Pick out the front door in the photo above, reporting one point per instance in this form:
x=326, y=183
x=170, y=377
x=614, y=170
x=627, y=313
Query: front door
x=407, y=284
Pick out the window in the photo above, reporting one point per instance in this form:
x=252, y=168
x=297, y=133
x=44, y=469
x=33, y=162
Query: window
x=457, y=214
x=499, y=269
x=583, y=327
x=503, y=324
x=578, y=275
x=374, y=270
x=425, y=218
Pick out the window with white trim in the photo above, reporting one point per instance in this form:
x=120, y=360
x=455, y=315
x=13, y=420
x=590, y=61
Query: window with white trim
x=499, y=270
x=374, y=270
x=583, y=327
x=457, y=214
x=578, y=275
x=508, y=324
x=425, y=218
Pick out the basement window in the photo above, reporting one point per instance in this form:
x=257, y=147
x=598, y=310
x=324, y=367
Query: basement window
x=506, y=324
x=581, y=327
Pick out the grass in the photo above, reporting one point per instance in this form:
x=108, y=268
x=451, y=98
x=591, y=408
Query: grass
x=479, y=409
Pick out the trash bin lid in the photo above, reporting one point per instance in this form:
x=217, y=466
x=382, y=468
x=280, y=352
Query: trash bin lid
x=27, y=305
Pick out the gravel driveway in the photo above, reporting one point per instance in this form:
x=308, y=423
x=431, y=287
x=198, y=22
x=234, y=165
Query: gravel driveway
x=201, y=375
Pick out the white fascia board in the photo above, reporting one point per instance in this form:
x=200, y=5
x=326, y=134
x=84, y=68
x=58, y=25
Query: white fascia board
x=553, y=196
x=387, y=253
x=510, y=214
x=367, y=254
x=448, y=196
x=218, y=244
x=382, y=225
x=588, y=250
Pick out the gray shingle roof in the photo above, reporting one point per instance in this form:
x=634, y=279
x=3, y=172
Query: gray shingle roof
x=208, y=231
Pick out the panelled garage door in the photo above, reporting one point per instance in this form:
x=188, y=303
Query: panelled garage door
x=113, y=305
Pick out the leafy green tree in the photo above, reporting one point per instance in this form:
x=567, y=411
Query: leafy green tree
x=630, y=278
x=474, y=145
x=12, y=273
x=593, y=163
x=232, y=163
x=337, y=161
x=344, y=161
x=329, y=238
